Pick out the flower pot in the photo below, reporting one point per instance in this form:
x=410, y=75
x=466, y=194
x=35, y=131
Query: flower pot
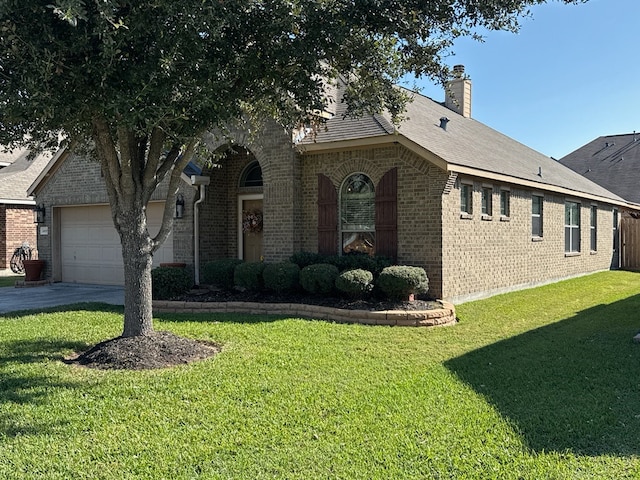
x=32, y=270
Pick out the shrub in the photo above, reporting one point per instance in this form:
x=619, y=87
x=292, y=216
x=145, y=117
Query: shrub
x=398, y=282
x=169, y=282
x=355, y=283
x=281, y=277
x=358, y=260
x=349, y=261
x=248, y=275
x=220, y=272
x=304, y=259
x=319, y=278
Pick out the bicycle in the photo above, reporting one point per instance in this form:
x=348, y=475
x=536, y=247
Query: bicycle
x=23, y=252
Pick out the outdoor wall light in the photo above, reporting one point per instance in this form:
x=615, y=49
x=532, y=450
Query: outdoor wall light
x=179, y=206
x=38, y=213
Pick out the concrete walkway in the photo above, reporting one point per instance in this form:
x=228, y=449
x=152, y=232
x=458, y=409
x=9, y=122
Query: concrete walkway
x=54, y=294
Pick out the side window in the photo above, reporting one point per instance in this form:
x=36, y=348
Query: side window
x=536, y=216
x=616, y=226
x=357, y=215
x=487, y=201
x=594, y=228
x=571, y=227
x=505, y=203
x=466, y=198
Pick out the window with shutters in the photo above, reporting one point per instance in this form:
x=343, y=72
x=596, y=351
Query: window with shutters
x=357, y=215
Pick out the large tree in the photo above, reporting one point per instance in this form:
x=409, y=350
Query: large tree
x=141, y=81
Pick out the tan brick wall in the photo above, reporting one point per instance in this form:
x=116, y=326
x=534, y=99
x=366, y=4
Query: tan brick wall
x=482, y=257
x=420, y=187
x=16, y=227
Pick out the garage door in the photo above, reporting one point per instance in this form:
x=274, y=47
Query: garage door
x=90, y=246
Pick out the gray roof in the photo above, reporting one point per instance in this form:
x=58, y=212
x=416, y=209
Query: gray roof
x=17, y=177
x=465, y=145
x=612, y=161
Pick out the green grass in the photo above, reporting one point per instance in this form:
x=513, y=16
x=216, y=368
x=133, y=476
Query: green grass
x=538, y=384
x=10, y=281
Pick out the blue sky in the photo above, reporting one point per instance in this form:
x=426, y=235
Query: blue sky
x=570, y=75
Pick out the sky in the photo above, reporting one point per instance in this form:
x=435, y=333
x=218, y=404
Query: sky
x=571, y=75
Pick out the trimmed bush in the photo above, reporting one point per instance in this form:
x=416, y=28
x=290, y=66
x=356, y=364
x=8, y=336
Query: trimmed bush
x=319, y=278
x=169, y=282
x=399, y=281
x=220, y=272
x=281, y=277
x=304, y=259
x=361, y=261
x=355, y=283
x=348, y=261
x=248, y=275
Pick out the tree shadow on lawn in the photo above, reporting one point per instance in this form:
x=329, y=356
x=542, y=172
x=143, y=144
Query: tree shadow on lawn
x=571, y=386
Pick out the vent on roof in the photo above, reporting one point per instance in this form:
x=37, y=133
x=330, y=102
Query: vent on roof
x=540, y=171
x=443, y=123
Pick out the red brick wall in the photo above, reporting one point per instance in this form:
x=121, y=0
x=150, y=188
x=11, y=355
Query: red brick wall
x=16, y=226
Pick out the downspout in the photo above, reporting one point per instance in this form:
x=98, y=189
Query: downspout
x=197, y=180
x=196, y=235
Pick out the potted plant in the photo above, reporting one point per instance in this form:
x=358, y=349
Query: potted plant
x=33, y=268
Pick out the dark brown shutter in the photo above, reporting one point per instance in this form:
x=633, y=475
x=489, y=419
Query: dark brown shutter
x=387, y=215
x=327, y=216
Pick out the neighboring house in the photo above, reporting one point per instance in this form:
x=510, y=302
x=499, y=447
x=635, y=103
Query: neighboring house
x=479, y=211
x=17, y=173
x=612, y=161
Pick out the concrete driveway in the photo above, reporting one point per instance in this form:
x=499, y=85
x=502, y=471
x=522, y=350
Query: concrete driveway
x=34, y=298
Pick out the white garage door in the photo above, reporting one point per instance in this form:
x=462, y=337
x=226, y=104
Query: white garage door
x=90, y=245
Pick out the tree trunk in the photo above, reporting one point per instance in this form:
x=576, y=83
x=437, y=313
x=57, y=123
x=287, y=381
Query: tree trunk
x=136, y=254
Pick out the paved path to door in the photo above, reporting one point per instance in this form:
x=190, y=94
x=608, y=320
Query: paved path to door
x=34, y=298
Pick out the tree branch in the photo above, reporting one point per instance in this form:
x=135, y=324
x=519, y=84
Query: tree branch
x=108, y=157
x=174, y=181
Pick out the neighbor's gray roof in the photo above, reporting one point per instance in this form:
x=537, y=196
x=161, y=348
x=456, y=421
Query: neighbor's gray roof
x=612, y=161
x=17, y=177
x=465, y=145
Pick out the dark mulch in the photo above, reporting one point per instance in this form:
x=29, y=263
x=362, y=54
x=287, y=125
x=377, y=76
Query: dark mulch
x=157, y=350
x=373, y=304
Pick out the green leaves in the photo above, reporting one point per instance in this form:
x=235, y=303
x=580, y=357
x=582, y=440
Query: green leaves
x=191, y=65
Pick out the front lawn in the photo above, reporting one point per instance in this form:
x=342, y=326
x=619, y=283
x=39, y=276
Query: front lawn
x=543, y=383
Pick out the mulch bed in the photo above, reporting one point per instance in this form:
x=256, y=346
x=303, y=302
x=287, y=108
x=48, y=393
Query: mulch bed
x=372, y=304
x=157, y=350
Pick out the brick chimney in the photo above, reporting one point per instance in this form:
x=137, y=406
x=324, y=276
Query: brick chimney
x=458, y=92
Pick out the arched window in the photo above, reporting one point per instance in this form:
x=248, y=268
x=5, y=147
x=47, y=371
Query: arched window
x=252, y=175
x=357, y=215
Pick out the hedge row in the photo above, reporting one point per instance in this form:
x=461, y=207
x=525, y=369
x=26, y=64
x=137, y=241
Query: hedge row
x=396, y=282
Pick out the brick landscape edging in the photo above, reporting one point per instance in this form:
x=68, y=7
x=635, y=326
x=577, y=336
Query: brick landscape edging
x=402, y=318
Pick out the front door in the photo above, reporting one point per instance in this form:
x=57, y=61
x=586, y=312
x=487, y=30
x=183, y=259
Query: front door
x=250, y=229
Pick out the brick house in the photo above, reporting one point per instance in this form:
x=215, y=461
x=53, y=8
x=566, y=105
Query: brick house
x=17, y=173
x=479, y=211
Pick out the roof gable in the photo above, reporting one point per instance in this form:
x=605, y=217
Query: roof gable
x=19, y=174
